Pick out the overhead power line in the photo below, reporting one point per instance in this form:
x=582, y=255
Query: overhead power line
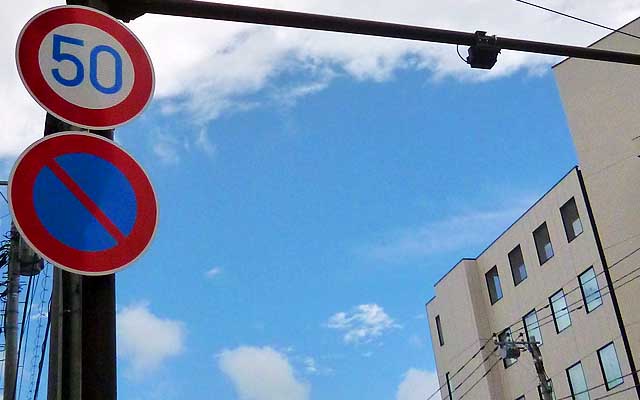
x=463, y=366
x=567, y=309
x=586, y=21
x=484, y=46
x=573, y=396
x=544, y=305
x=481, y=378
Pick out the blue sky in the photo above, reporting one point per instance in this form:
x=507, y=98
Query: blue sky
x=310, y=196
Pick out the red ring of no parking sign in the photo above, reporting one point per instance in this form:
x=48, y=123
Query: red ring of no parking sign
x=27, y=51
x=22, y=204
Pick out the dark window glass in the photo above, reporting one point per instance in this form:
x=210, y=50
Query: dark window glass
x=610, y=366
x=590, y=289
x=532, y=327
x=577, y=382
x=571, y=219
x=493, y=284
x=553, y=393
x=520, y=398
x=543, y=243
x=449, y=386
x=505, y=337
x=560, y=312
x=518, y=269
x=439, y=329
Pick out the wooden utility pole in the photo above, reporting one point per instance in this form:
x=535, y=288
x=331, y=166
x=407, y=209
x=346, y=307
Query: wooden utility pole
x=11, y=318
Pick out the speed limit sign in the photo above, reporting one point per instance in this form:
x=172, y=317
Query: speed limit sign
x=84, y=67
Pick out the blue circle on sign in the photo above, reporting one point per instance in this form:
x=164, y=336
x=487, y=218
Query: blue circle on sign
x=67, y=219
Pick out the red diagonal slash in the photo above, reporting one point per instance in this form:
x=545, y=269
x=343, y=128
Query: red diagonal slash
x=86, y=201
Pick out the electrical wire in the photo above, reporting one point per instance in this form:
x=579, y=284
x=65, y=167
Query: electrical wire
x=568, y=307
x=44, y=349
x=22, y=332
x=577, y=18
x=615, y=393
x=539, y=307
x=439, y=389
x=38, y=338
x=572, y=396
x=474, y=370
x=460, y=55
x=481, y=378
x=35, y=287
x=578, y=308
x=461, y=368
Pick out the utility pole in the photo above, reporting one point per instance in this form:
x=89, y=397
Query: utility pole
x=82, y=355
x=510, y=349
x=545, y=385
x=11, y=317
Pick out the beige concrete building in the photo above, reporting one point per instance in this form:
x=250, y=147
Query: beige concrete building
x=544, y=279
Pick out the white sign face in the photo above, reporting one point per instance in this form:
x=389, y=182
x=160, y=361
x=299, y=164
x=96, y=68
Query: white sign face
x=84, y=67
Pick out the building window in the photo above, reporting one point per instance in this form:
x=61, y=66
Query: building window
x=518, y=269
x=590, y=289
x=493, y=284
x=577, y=382
x=532, y=327
x=571, y=219
x=560, y=311
x=505, y=337
x=439, y=329
x=520, y=398
x=610, y=366
x=449, y=386
x=553, y=392
x=543, y=243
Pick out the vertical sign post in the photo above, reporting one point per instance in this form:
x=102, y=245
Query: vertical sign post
x=89, y=72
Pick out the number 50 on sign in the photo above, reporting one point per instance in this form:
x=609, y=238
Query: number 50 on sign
x=84, y=67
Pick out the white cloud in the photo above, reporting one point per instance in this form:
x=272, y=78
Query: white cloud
x=214, y=67
x=418, y=385
x=213, y=272
x=452, y=233
x=166, y=147
x=363, y=324
x=204, y=142
x=146, y=340
x=261, y=373
x=310, y=365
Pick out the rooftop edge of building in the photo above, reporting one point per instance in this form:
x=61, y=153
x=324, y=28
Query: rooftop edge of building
x=599, y=40
x=574, y=168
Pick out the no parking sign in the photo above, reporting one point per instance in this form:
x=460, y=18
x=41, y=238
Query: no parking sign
x=83, y=203
x=84, y=67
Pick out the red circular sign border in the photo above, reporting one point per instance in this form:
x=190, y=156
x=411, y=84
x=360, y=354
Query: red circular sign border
x=27, y=49
x=23, y=176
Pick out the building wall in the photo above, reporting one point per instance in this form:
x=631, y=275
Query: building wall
x=602, y=106
x=468, y=317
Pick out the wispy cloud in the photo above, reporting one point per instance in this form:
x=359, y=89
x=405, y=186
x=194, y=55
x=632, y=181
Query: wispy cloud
x=204, y=142
x=363, y=324
x=261, y=373
x=166, y=147
x=213, y=272
x=471, y=229
x=204, y=71
x=146, y=340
